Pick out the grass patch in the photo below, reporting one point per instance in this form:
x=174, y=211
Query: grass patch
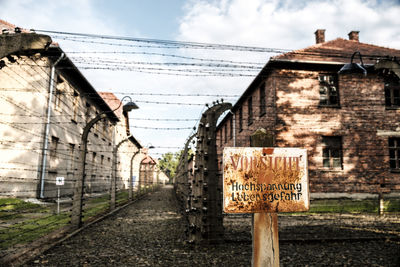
x=12, y=208
x=100, y=199
x=95, y=206
x=30, y=230
x=344, y=206
x=392, y=205
x=122, y=197
x=352, y=206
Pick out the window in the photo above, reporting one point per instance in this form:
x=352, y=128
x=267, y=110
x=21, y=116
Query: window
x=94, y=158
x=392, y=92
x=332, y=151
x=71, y=156
x=250, y=110
x=101, y=164
x=58, y=92
x=231, y=128
x=226, y=132
x=88, y=115
x=75, y=106
x=328, y=90
x=96, y=125
x=262, y=100
x=220, y=137
x=240, y=119
x=394, y=153
x=105, y=126
x=53, y=147
x=57, y=98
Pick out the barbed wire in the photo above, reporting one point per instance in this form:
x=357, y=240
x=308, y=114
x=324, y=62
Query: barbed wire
x=166, y=55
x=164, y=43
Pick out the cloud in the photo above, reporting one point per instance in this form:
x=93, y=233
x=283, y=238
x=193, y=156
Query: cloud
x=61, y=15
x=290, y=24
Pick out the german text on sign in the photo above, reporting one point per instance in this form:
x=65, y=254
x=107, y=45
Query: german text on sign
x=265, y=180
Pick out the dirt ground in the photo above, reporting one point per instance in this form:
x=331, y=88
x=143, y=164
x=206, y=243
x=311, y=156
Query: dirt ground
x=150, y=232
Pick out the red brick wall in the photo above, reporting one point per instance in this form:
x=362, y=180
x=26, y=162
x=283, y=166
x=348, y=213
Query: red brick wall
x=294, y=115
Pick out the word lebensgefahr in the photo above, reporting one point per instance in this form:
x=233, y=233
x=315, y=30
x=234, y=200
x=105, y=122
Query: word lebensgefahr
x=266, y=192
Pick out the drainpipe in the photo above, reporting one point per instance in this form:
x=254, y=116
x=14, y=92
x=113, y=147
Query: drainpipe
x=233, y=127
x=47, y=129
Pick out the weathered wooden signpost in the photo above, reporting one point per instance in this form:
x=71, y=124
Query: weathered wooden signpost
x=265, y=181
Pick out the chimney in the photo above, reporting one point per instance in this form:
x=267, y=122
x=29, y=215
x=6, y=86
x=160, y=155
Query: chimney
x=353, y=36
x=320, y=36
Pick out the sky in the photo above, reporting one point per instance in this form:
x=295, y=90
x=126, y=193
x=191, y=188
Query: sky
x=157, y=78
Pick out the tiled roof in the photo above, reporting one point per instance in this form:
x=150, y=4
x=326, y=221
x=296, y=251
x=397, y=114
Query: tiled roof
x=11, y=27
x=4, y=25
x=113, y=102
x=148, y=160
x=339, y=50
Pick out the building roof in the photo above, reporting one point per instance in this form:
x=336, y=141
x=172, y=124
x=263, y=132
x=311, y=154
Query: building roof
x=330, y=55
x=4, y=25
x=68, y=68
x=148, y=160
x=113, y=102
x=339, y=51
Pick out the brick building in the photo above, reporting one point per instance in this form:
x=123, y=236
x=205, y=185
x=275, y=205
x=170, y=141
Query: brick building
x=128, y=152
x=349, y=122
x=148, y=171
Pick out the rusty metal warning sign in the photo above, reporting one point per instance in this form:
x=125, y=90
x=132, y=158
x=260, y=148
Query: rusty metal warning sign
x=265, y=180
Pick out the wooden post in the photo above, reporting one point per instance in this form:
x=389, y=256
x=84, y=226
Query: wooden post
x=264, y=228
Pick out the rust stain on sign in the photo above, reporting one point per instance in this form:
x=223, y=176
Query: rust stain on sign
x=265, y=180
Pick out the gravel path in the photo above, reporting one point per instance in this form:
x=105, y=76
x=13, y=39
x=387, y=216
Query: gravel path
x=150, y=232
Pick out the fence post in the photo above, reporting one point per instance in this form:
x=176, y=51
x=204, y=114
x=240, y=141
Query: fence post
x=205, y=216
x=76, y=213
x=114, y=173
x=264, y=228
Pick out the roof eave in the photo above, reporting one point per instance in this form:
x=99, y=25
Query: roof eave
x=135, y=142
x=68, y=67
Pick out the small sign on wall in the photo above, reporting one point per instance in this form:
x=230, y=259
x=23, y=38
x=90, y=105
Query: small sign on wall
x=265, y=180
x=59, y=180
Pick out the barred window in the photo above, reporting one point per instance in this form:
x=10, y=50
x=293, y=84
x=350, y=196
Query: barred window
x=226, y=132
x=332, y=151
x=394, y=153
x=328, y=90
x=75, y=105
x=392, y=92
x=231, y=128
x=54, y=147
x=59, y=92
